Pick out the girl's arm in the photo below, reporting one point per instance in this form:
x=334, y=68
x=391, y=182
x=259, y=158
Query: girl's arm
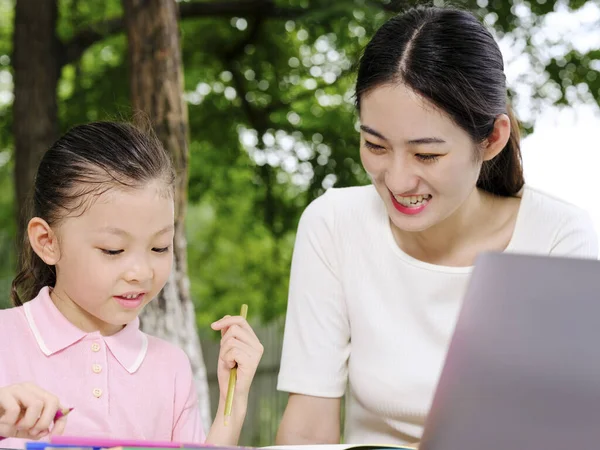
x=239, y=345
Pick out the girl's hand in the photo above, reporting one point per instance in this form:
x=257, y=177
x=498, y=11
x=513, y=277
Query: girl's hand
x=239, y=345
x=27, y=411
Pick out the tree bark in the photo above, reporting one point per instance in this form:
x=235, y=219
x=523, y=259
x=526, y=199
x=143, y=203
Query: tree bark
x=156, y=78
x=36, y=72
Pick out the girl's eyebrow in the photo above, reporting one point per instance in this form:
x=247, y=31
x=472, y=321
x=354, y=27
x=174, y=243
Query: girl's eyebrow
x=120, y=232
x=113, y=230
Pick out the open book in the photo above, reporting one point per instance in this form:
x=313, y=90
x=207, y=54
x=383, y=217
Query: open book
x=343, y=447
x=80, y=443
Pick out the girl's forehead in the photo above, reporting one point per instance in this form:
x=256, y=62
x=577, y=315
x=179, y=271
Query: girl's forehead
x=134, y=211
x=117, y=192
x=85, y=194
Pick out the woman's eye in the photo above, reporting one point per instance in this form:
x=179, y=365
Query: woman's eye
x=428, y=157
x=374, y=147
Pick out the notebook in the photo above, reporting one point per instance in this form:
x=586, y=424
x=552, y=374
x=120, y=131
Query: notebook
x=78, y=442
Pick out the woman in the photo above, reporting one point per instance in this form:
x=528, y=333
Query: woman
x=379, y=271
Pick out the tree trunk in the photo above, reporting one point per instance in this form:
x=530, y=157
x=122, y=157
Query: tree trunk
x=156, y=76
x=36, y=72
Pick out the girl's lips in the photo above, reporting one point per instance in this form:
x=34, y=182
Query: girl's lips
x=130, y=303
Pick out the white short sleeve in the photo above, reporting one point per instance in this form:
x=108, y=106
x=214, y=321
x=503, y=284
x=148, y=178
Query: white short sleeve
x=576, y=237
x=316, y=342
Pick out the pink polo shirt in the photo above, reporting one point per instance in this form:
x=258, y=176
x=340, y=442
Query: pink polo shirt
x=129, y=385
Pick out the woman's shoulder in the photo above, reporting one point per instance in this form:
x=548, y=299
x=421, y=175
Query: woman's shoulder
x=353, y=195
x=339, y=204
x=544, y=207
x=550, y=224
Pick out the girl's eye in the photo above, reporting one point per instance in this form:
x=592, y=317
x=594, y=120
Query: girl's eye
x=111, y=252
x=161, y=249
x=427, y=157
x=374, y=147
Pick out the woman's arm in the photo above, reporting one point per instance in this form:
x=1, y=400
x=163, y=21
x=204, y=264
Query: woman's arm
x=316, y=344
x=310, y=420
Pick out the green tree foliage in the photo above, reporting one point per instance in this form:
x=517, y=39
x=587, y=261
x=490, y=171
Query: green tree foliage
x=7, y=218
x=272, y=123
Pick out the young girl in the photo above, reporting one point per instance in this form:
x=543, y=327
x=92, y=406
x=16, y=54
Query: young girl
x=99, y=250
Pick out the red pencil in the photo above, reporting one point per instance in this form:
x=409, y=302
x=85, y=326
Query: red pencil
x=62, y=413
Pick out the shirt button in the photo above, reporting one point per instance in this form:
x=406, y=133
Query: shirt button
x=97, y=368
x=95, y=347
x=97, y=393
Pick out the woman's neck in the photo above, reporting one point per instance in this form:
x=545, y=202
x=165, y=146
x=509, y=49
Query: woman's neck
x=458, y=239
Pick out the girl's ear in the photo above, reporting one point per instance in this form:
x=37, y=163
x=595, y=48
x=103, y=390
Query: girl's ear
x=43, y=240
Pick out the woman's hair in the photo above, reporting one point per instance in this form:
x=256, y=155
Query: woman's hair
x=447, y=56
x=86, y=162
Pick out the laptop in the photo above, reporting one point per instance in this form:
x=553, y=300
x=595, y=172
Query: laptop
x=523, y=367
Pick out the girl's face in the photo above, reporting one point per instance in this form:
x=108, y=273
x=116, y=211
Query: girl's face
x=115, y=258
x=422, y=164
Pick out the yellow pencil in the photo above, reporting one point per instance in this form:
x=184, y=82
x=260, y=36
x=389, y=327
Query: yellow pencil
x=233, y=377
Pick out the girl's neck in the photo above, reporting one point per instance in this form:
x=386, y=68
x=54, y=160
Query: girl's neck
x=80, y=317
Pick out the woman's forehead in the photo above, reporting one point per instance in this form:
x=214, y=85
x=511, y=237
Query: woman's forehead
x=401, y=114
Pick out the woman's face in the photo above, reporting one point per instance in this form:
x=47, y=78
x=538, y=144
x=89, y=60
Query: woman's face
x=422, y=164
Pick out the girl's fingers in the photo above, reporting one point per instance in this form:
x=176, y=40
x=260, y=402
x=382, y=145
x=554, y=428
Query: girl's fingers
x=26, y=411
x=242, y=334
x=236, y=356
x=239, y=346
x=40, y=408
x=32, y=406
x=236, y=332
x=59, y=426
x=219, y=324
x=229, y=321
x=246, y=344
x=10, y=409
x=40, y=435
x=7, y=430
x=251, y=351
x=237, y=352
x=51, y=406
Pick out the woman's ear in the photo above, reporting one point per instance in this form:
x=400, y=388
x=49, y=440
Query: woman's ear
x=498, y=138
x=43, y=240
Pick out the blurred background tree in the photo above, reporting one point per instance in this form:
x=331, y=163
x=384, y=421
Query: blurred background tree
x=268, y=86
x=269, y=90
